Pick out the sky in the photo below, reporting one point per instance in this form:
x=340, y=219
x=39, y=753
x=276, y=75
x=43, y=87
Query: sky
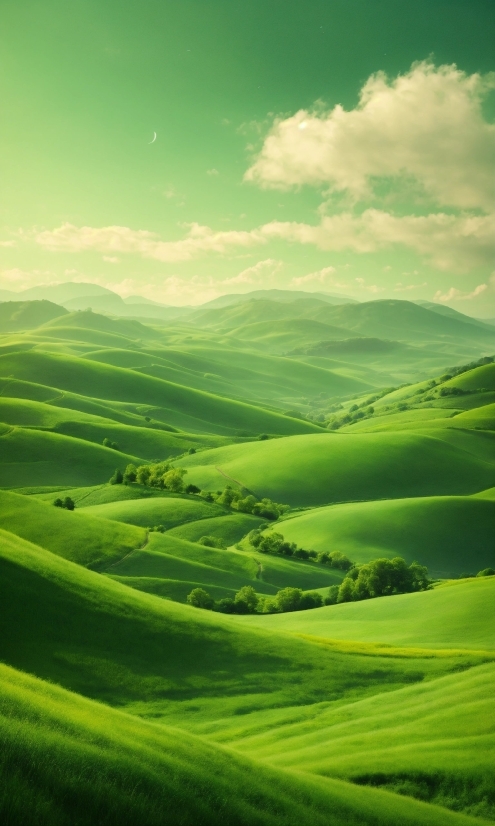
x=345, y=146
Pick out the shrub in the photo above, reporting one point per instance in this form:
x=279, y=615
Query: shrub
x=212, y=542
x=130, y=474
x=486, y=572
x=312, y=599
x=191, y=451
x=117, y=478
x=332, y=596
x=288, y=599
x=200, y=598
x=58, y=503
x=191, y=489
x=110, y=444
x=246, y=600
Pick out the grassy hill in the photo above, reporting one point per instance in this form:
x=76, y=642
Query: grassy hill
x=37, y=457
x=27, y=315
x=125, y=646
x=458, y=615
x=73, y=535
x=449, y=534
x=69, y=760
x=316, y=470
x=184, y=406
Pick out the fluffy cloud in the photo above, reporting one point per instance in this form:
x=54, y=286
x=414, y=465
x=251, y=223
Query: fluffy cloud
x=199, y=240
x=458, y=295
x=256, y=274
x=324, y=276
x=427, y=124
x=456, y=242
x=447, y=241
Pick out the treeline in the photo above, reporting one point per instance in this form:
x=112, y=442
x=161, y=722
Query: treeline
x=247, y=601
x=379, y=578
x=164, y=476
x=274, y=543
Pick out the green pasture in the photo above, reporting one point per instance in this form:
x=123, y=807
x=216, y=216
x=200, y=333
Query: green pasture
x=337, y=467
x=66, y=759
x=460, y=616
x=77, y=536
x=448, y=534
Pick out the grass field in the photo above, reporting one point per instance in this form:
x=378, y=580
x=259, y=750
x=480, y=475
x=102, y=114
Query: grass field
x=449, y=534
x=334, y=467
x=122, y=703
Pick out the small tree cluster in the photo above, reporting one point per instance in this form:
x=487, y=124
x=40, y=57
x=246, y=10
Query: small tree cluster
x=234, y=499
x=161, y=475
x=379, y=578
x=212, y=542
x=274, y=543
x=108, y=443
x=66, y=503
x=247, y=601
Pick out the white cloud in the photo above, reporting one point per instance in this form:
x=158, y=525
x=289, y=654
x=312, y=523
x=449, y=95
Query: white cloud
x=257, y=274
x=212, y=172
x=457, y=295
x=323, y=276
x=111, y=259
x=8, y=243
x=199, y=239
x=401, y=288
x=427, y=124
x=447, y=241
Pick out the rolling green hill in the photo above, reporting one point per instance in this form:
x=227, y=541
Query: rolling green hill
x=77, y=536
x=458, y=615
x=448, y=534
x=124, y=646
x=184, y=406
x=316, y=470
x=69, y=760
x=27, y=315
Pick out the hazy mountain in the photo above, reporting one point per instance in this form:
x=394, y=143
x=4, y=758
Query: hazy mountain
x=276, y=295
x=60, y=293
x=27, y=315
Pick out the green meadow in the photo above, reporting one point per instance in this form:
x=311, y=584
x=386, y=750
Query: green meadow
x=177, y=450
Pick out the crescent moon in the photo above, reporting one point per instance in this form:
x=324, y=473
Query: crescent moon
x=154, y=139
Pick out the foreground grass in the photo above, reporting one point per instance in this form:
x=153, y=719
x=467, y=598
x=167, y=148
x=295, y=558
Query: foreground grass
x=67, y=760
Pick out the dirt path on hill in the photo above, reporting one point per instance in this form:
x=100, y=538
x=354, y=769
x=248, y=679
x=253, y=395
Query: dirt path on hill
x=141, y=548
x=236, y=481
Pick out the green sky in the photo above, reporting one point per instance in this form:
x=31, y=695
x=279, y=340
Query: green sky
x=255, y=179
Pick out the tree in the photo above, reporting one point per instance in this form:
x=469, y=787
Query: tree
x=69, y=503
x=247, y=597
x=108, y=443
x=173, y=479
x=346, y=591
x=271, y=543
x=143, y=474
x=130, y=474
x=311, y=599
x=191, y=451
x=117, y=477
x=58, y=503
x=332, y=596
x=486, y=572
x=200, y=598
x=192, y=489
x=225, y=606
x=288, y=599
x=212, y=542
